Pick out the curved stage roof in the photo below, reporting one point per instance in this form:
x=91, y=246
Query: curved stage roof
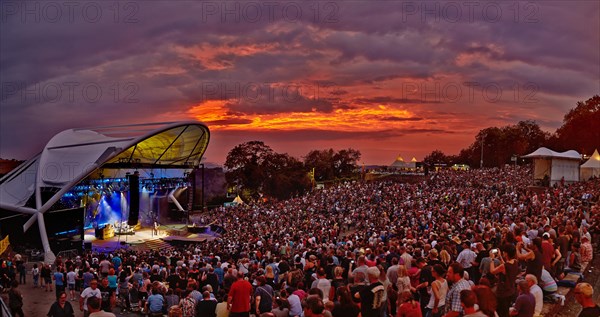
x=72, y=155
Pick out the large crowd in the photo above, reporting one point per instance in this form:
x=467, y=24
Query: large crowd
x=457, y=243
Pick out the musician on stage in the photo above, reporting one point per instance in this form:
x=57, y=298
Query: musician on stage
x=155, y=229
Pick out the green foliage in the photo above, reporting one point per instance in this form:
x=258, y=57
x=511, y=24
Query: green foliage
x=286, y=177
x=500, y=144
x=438, y=157
x=580, y=130
x=256, y=170
x=322, y=162
x=329, y=165
x=345, y=163
x=246, y=166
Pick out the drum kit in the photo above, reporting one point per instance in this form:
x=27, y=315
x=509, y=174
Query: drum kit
x=123, y=228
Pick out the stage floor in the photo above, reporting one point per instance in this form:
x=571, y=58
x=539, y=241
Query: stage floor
x=137, y=240
x=145, y=239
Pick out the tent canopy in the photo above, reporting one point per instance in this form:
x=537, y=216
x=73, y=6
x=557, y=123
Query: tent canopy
x=591, y=168
x=399, y=163
x=551, y=167
x=238, y=200
x=593, y=161
x=547, y=153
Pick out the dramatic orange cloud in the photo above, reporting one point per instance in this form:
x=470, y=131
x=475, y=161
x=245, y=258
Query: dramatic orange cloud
x=368, y=118
x=211, y=56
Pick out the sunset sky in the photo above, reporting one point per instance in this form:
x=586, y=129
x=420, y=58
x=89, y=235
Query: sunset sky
x=383, y=77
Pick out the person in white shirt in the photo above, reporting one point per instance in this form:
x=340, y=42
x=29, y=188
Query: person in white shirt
x=466, y=257
x=87, y=293
x=323, y=284
x=295, y=304
x=439, y=289
x=392, y=271
x=537, y=293
x=406, y=258
x=71, y=279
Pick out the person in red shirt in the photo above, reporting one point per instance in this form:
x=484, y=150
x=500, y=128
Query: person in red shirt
x=409, y=307
x=238, y=301
x=550, y=254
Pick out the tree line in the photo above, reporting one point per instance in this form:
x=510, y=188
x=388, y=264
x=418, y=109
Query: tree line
x=254, y=170
x=579, y=131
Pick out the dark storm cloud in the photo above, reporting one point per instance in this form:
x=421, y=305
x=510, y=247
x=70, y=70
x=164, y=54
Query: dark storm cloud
x=321, y=135
x=400, y=119
x=269, y=99
x=390, y=99
x=232, y=121
x=154, y=59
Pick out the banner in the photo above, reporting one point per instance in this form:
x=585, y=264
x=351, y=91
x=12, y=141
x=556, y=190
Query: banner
x=4, y=244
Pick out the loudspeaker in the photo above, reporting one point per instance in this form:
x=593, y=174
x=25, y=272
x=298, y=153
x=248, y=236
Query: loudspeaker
x=134, y=199
x=87, y=246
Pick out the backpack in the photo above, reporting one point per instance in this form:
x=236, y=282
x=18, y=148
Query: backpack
x=297, y=277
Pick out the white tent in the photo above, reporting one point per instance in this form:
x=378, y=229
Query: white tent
x=591, y=168
x=399, y=163
x=238, y=200
x=552, y=167
x=73, y=155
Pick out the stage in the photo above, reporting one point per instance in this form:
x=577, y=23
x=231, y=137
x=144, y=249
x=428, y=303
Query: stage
x=145, y=239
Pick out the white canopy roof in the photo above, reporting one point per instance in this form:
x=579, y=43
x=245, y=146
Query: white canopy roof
x=238, y=200
x=399, y=163
x=547, y=153
x=72, y=155
x=593, y=161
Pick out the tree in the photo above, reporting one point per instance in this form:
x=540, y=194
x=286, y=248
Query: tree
x=345, y=163
x=322, y=162
x=256, y=170
x=245, y=166
x=501, y=144
x=329, y=164
x=436, y=157
x=580, y=128
x=286, y=176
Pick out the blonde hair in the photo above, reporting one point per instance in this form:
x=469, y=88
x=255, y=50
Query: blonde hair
x=445, y=256
x=269, y=271
x=338, y=271
x=402, y=271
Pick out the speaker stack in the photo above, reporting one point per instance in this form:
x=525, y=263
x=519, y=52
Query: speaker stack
x=134, y=199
